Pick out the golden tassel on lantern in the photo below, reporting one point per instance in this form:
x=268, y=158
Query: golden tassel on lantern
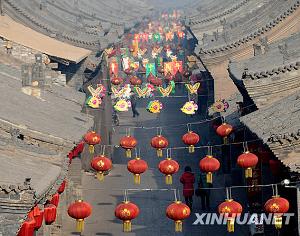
x=169, y=179
x=128, y=153
x=209, y=178
x=137, y=179
x=80, y=225
x=178, y=226
x=127, y=226
x=91, y=149
x=225, y=140
x=230, y=225
x=191, y=149
x=248, y=173
x=159, y=152
x=100, y=176
x=278, y=222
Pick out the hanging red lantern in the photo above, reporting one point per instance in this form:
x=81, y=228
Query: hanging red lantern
x=38, y=216
x=55, y=199
x=62, y=187
x=191, y=139
x=101, y=164
x=178, y=212
x=135, y=81
x=27, y=228
x=50, y=213
x=127, y=211
x=224, y=130
x=128, y=143
x=159, y=142
x=277, y=206
x=79, y=210
x=116, y=80
x=231, y=209
x=247, y=160
x=154, y=80
x=92, y=138
x=209, y=164
x=137, y=167
x=128, y=71
x=168, y=167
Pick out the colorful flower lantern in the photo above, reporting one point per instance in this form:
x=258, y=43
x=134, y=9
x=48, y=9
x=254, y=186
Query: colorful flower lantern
x=178, y=212
x=92, y=138
x=168, y=167
x=101, y=164
x=209, y=164
x=277, y=206
x=27, y=228
x=154, y=106
x=49, y=214
x=55, y=199
x=62, y=187
x=128, y=143
x=79, y=210
x=230, y=209
x=137, y=167
x=159, y=142
x=247, y=160
x=224, y=130
x=126, y=212
x=191, y=139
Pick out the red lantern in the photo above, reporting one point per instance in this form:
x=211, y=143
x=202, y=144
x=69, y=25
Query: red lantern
x=231, y=209
x=92, y=138
x=49, y=214
x=128, y=143
x=248, y=161
x=79, y=210
x=154, y=80
x=277, y=206
x=191, y=139
x=55, y=199
x=159, y=142
x=178, y=212
x=27, y=228
x=38, y=216
x=101, y=164
x=135, y=81
x=116, y=81
x=137, y=167
x=209, y=164
x=126, y=212
x=128, y=71
x=224, y=130
x=168, y=167
x=62, y=187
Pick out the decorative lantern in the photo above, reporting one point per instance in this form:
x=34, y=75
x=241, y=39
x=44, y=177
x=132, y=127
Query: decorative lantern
x=191, y=139
x=248, y=161
x=79, y=210
x=55, y=199
x=128, y=71
x=92, y=138
x=137, y=167
x=27, y=228
x=224, y=130
x=62, y=187
x=278, y=206
x=209, y=164
x=126, y=212
x=101, y=164
x=159, y=142
x=128, y=143
x=135, y=81
x=178, y=212
x=154, y=80
x=168, y=167
x=38, y=216
x=49, y=214
x=116, y=81
x=230, y=209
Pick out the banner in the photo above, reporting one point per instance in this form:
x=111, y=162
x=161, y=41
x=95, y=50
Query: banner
x=169, y=36
x=156, y=37
x=177, y=67
x=168, y=68
x=135, y=45
x=150, y=68
x=114, y=68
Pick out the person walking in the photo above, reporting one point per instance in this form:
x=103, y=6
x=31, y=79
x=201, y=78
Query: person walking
x=133, y=99
x=203, y=191
x=188, y=180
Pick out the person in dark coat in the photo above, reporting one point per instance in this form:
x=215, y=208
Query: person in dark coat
x=133, y=99
x=203, y=191
x=188, y=180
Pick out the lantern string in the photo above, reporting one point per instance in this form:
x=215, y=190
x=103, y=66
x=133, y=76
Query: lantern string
x=175, y=194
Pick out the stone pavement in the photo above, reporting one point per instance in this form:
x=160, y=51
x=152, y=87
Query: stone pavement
x=152, y=220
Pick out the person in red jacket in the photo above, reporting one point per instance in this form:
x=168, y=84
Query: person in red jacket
x=188, y=180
